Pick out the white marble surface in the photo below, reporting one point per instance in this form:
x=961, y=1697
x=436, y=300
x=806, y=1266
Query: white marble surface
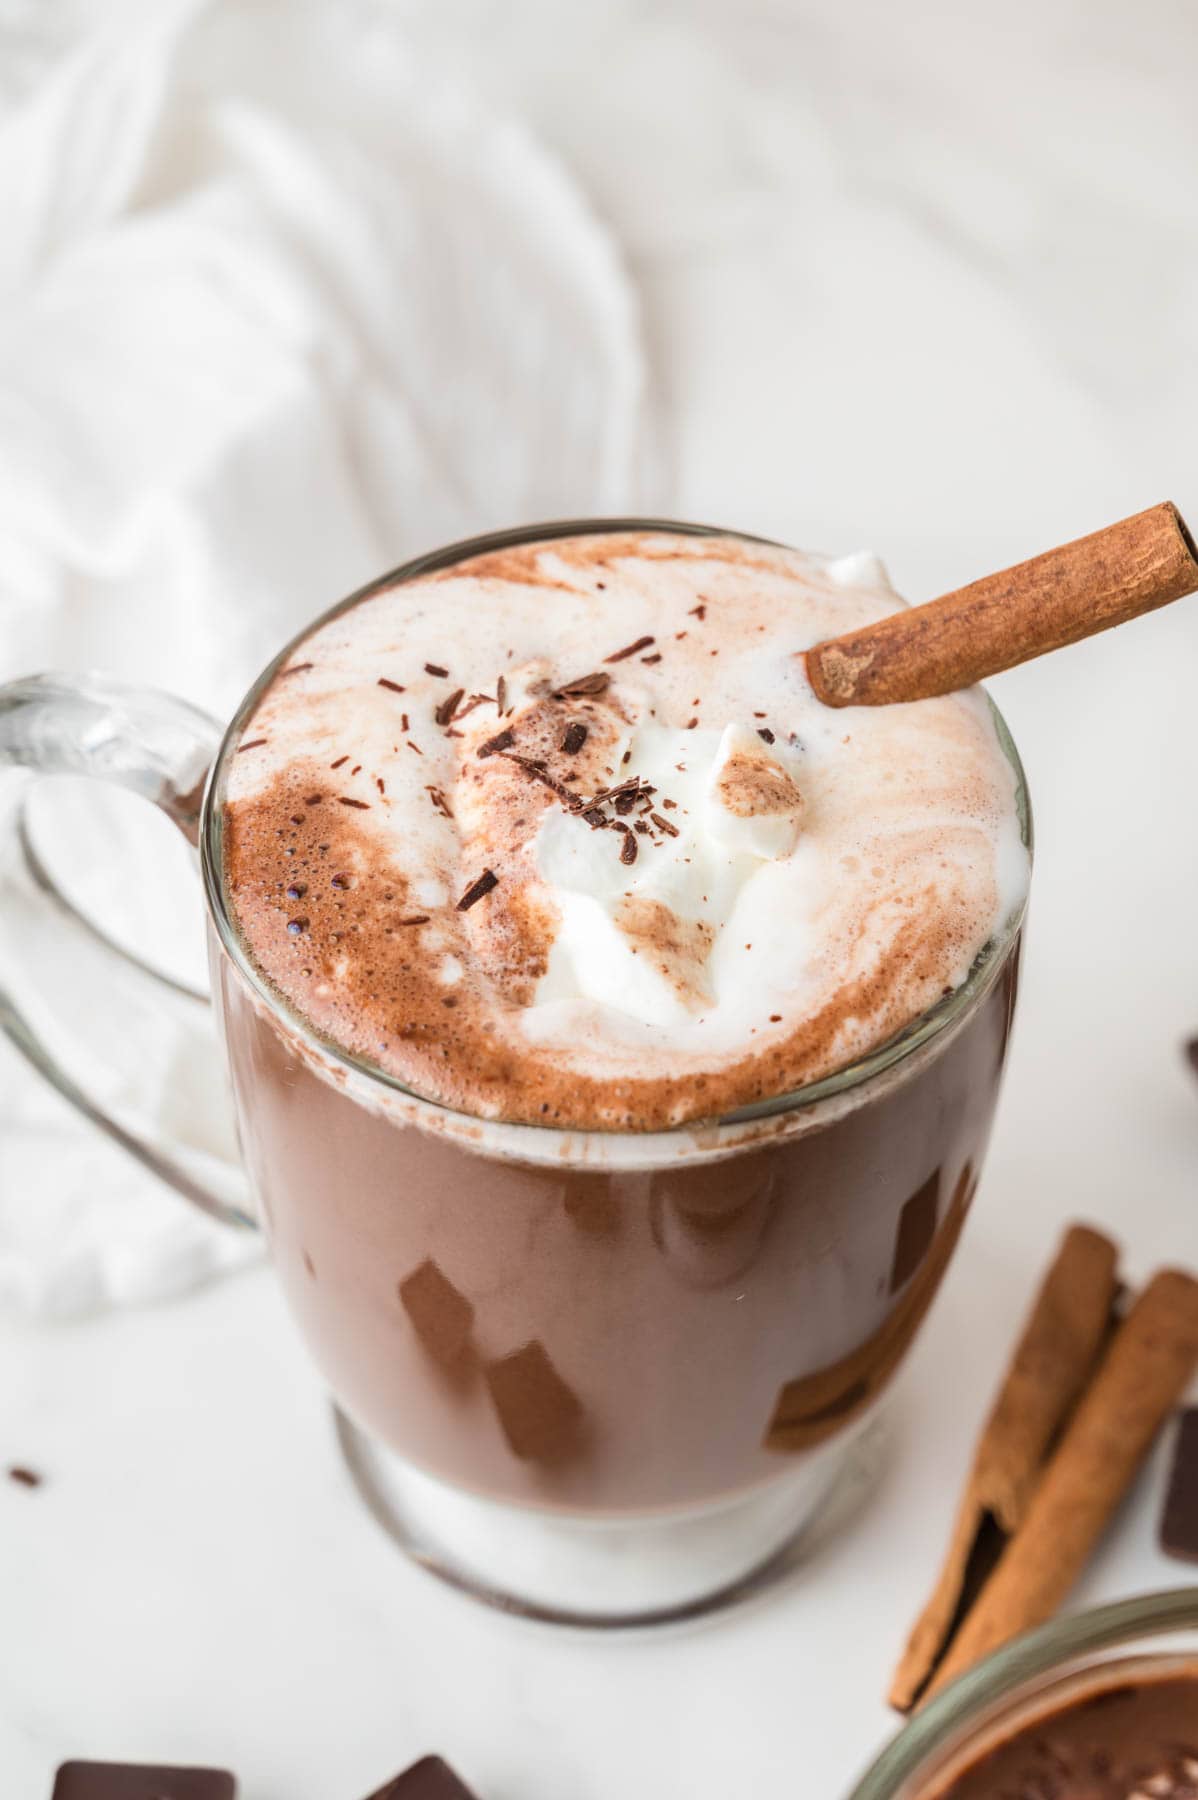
x=923, y=278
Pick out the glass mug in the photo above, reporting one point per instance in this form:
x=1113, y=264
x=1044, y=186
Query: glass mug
x=1150, y=1637
x=596, y=1377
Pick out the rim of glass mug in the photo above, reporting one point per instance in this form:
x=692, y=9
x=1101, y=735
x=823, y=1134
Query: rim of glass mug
x=798, y=1108
x=981, y=1699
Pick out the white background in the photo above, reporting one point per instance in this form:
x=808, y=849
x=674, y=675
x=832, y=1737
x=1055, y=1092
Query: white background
x=925, y=280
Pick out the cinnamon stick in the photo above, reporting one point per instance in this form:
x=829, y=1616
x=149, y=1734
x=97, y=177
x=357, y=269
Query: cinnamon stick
x=1142, y=1376
x=1051, y=1363
x=1004, y=619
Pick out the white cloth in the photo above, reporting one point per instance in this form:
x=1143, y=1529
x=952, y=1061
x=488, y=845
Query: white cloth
x=276, y=311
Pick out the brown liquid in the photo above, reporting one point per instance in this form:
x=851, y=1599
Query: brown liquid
x=1126, y=1740
x=611, y=1340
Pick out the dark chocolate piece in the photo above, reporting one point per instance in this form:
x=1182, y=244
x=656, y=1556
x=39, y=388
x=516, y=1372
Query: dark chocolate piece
x=141, y=1781
x=435, y=669
x=916, y=1229
x=393, y=685
x=540, y=1415
x=449, y=706
x=428, y=1779
x=574, y=738
x=1179, y=1520
x=443, y=1318
x=24, y=1477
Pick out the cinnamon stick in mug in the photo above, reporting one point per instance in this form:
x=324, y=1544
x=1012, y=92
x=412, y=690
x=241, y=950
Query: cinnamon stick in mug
x=1051, y=1364
x=1141, y=1378
x=1004, y=619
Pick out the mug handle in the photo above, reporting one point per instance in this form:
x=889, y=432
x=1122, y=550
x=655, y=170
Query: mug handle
x=162, y=749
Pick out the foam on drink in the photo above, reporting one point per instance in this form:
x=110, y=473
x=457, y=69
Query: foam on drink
x=561, y=834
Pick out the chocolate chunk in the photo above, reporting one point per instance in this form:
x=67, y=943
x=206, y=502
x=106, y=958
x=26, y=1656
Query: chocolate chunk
x=916, y=1229
x=628, y=850
x=442, y=1318
x=765, y=734
x=1179, y=1520
x=574, y=737
x=539, y=1414
x=428, y=1779
x=142, y=1781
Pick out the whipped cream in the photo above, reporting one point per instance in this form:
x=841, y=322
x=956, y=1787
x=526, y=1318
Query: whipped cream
x=603, y=857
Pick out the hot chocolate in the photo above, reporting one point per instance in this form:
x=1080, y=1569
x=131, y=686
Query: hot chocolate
x=538, y=864
x=1127, y=1737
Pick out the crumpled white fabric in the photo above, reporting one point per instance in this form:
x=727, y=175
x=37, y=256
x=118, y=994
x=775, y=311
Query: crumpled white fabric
x=276, y=311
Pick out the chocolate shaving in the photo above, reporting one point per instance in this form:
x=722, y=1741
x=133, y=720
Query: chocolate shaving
x=296, y=669
x=642, y=643
x=670, y=803
x=700, y=611
x=664, y=825
x=500, y=742
x=628, y=849
x=501, y=696
x=378, y=782
x=691, y=723
x=633, y=785
x=766, y=734
x=583, y=685
x=23, y=1477
x=393, y=685
x=435, y=669
x=624, y=803
x=254, y=744
x=412, y=746
x=639, y=825
x=339, y=761
x=574, y=738
x=313, y=799
x=478, y=890
x=416, y=919
x=595, y=818
x=475, y=700
x=445, y=712
x=655, y=658
x=404, y=724
x=439, y=801
x=540, y=773
x=362, y=805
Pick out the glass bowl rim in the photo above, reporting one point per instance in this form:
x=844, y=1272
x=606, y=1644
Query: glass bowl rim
x=1044, y=1651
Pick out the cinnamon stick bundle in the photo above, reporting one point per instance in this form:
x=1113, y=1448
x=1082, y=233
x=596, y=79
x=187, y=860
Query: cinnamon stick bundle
x=1139, y=1380
x=1051, y=1364
x=1004, y=619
